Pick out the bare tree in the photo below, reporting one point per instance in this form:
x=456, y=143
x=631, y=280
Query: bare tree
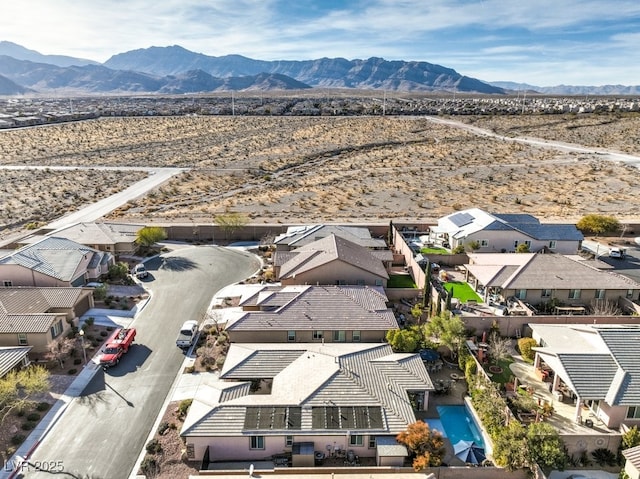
x=605, y=307
x=59, y=349
x=498, y=347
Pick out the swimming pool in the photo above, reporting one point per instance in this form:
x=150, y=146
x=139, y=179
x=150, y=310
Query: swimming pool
x=456, y=424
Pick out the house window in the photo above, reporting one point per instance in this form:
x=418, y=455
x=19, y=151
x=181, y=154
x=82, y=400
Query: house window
x=552, y=244
x=22, y=339
x=546, y=293
x=574, y=294
x=633, y=412
x=56, y=330
x=318, y=335
x=256, y=442
x=600, y=293
x=378, y=282
x=356, y=440
x=521, y=293
x=360, y=282
x=629, y=294
x=288, y=441
x=484, y=243
x=339, y=336
x=7, y=283
x=372, y=442
x=356, y=336
x=291, y=336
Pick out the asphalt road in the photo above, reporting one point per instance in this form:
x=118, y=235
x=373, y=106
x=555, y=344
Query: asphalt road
x=103, y=431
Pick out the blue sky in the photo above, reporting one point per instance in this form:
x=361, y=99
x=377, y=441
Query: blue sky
x=541, y=42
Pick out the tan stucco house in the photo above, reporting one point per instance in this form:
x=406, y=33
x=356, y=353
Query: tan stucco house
x=36, y=316
x=308, y=314
x=332, y=260
x=328, y=397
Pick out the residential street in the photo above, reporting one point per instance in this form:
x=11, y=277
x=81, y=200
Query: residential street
x=102, y=432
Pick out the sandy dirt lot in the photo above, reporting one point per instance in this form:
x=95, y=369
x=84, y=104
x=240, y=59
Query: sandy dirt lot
x=348, y=169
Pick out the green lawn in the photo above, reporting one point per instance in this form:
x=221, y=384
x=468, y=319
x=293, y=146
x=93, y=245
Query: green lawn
x=506, y=373
x=401, y=281
x=462, y=291
x=429, y=251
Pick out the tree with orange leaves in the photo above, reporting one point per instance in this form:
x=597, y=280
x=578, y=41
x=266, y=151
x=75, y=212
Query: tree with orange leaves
x=426, y=446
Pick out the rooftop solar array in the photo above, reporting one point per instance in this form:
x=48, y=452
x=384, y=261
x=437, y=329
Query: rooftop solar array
x=461, y=219
x=346, y=417
x=272, y=418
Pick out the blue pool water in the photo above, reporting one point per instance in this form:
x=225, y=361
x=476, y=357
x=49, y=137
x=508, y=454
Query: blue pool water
x=455, y=424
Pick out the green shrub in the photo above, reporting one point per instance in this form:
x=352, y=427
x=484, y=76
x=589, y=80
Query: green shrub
x=604, y=457
x=72, y=371
x=34, y=417
x=77, y=361
x=525, y=346
x=154, y=447
x=163, y=427
x=28, y=426
x=90, y=321
x=149, y=466
x=184, y=406
x=104, y=334
x=17, y=439
x=43, y=406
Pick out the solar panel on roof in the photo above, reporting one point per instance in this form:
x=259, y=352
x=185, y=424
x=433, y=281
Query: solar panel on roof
x=294, y=418
x=251, y=418
x=461, y=219
x=348, y=418
x=375, y=417
x=333, y=417
x=278, y=420
x=317, y=418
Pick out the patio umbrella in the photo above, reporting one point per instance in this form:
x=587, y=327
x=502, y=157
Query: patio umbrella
x=469, y=452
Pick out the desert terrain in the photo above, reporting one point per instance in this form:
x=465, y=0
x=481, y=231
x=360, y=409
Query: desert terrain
x=326, y=169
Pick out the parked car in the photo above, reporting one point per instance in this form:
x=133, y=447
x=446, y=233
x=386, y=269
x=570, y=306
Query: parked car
x=139, y=271
x=616, y=253
x=187, y=334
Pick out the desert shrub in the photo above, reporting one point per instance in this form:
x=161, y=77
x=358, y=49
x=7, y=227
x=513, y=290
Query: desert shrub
x=149, y=466
x=72, y=371
x=604, y=457
x=184, y=406
x=90, y=321
x=77, y=361
x=154, y=447
x=163, y=427
x=34, y=416
x=43, y=406
x=28, y=426
x=525, y=345
x=17, y=439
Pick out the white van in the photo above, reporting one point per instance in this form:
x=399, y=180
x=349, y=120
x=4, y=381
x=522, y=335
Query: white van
x=139, y=271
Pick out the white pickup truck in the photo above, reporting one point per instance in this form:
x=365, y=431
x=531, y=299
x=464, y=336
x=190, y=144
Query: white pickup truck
x=187, y=334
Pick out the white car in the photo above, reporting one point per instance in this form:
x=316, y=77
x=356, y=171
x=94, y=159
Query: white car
x=139, y=271
x=616, y=253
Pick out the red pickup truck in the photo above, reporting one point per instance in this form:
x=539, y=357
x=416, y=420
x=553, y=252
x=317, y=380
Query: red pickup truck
x=117, y=345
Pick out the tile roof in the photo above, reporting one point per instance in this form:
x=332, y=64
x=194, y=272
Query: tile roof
x=56, y=257
x=633, y=456
x=599, y=361
x=100, y=233
x=341, y=376
x=463, y=223
x=28, y=310
x=318, y=308
x=297, y=236
x=11, y=356
x=327, y=250
x=544, y=271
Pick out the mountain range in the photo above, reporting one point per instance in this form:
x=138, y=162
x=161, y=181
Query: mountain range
x=176, y=70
